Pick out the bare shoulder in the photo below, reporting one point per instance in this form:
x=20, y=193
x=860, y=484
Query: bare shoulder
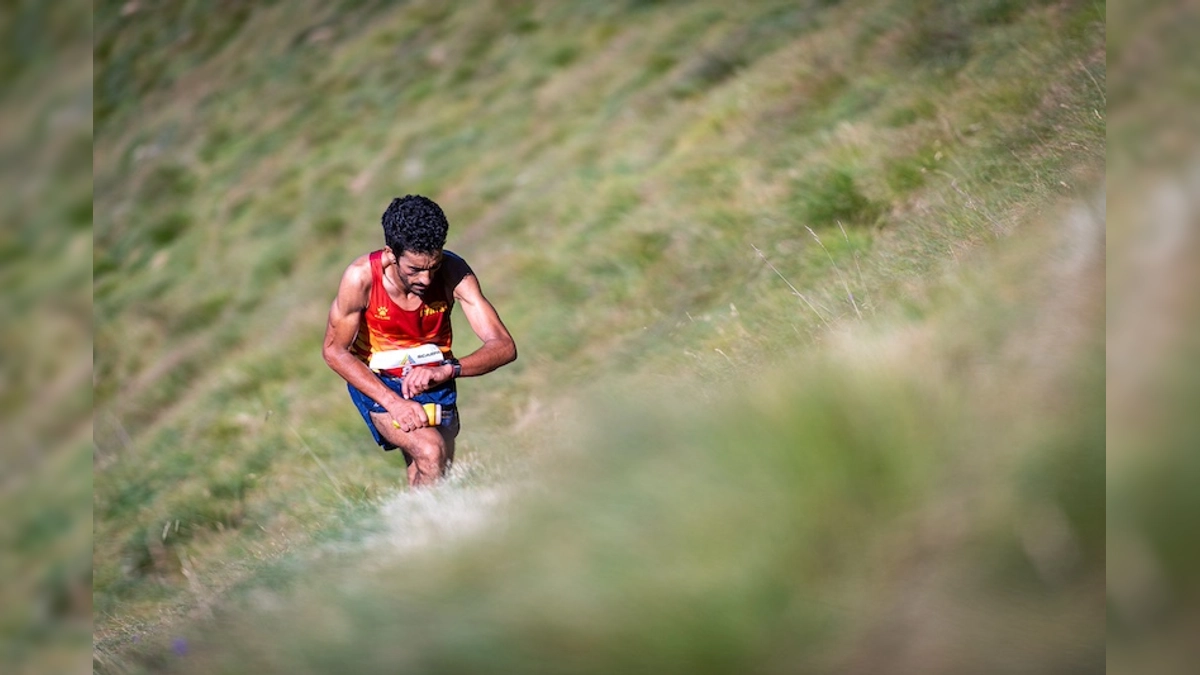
x=355, y=286
x=358, y=273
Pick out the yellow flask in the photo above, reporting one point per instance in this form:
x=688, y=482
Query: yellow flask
x=434, y=412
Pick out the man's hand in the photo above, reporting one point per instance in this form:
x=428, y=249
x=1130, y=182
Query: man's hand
x=408, y=415
x=423, y=378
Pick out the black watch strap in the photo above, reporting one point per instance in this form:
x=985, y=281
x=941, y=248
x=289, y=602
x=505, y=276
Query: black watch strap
x=456, y=367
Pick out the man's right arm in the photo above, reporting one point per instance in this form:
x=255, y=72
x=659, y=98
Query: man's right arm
x=345, y=316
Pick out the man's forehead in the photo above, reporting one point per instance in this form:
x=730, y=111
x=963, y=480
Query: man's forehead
x=421, y=259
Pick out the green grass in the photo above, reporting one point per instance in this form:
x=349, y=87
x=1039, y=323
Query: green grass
x=609, y=170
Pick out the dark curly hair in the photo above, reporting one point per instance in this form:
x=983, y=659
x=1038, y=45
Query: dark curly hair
x=414, y=223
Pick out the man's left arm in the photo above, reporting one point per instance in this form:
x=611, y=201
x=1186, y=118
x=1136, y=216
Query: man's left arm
x=498, y=347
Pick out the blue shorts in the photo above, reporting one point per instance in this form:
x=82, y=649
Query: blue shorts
x=446, y=395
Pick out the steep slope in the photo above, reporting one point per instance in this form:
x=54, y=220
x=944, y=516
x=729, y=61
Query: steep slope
x=653, y=194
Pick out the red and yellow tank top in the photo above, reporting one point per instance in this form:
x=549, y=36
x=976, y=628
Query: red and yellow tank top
x=385, y=326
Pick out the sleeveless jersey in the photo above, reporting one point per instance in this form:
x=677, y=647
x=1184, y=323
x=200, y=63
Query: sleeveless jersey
x=385, y=326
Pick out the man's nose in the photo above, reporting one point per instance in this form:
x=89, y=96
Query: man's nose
x=424, y=277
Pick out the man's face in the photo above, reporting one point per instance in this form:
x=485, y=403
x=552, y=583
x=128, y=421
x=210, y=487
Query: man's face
x=416, y=270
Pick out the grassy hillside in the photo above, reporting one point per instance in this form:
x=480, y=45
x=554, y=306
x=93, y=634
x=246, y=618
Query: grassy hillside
x=45, y=329
x=806, y=246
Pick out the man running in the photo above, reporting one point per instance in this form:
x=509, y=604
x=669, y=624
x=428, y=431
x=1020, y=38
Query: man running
x=399, y=298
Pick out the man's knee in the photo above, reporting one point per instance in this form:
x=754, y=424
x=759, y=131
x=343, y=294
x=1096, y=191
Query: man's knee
x=430, y=449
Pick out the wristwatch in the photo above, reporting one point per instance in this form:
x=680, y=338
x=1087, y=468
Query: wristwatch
x=457, y=368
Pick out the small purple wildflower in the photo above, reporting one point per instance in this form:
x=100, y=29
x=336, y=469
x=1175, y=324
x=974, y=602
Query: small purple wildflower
x=179, y=646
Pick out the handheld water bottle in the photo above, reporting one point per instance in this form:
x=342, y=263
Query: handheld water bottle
x=438, y=416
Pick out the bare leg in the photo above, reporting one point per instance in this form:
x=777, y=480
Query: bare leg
x=411, y=466
x=412, y=473
x=430, y=448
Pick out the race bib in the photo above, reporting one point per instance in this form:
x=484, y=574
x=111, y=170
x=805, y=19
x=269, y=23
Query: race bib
x=404, y=358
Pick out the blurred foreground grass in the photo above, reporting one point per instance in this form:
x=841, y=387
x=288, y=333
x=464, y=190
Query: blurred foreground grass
x=1153, y=559
x=45, y=335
